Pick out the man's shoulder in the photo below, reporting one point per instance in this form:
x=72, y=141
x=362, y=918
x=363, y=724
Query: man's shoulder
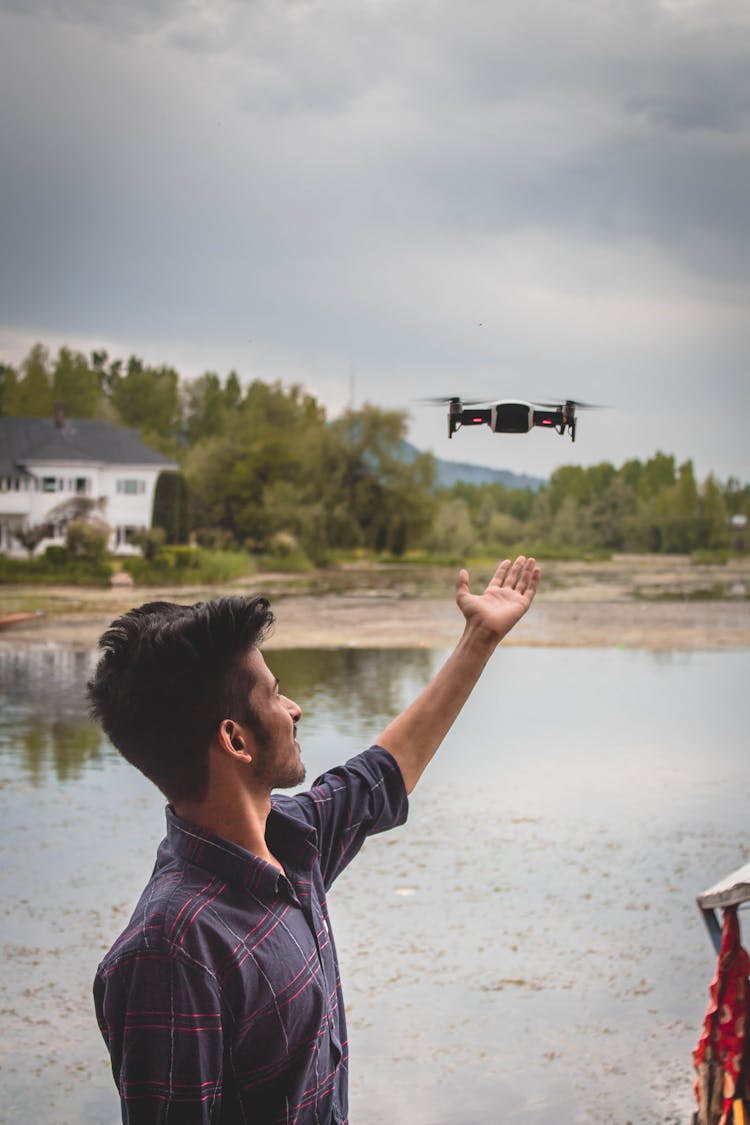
x=163, y=916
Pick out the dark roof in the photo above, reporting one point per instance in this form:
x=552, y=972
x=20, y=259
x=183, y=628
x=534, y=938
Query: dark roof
x=78, y=439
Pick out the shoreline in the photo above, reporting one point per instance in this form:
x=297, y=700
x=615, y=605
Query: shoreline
x=638, y=601
x=336, y=621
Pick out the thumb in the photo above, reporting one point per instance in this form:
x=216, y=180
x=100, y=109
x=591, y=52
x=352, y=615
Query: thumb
x=462, y=584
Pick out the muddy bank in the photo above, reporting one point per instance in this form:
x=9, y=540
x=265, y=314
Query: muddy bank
x=633, y=601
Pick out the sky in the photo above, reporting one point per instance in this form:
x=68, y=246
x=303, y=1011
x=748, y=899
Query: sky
x=392, y=199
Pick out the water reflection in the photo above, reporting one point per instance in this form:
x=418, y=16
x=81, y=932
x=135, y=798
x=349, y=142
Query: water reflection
x=536, y=911
x=359, y=685
x=43, y=721
x=44, y=725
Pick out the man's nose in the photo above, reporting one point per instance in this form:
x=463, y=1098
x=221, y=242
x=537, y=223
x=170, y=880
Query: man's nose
x=294, y=710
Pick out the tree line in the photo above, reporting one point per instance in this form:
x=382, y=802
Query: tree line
x=263, y=468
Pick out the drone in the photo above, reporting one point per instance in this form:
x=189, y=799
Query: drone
x=511, y=416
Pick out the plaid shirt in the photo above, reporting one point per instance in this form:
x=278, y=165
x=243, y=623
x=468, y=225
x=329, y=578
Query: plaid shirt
x=221, y=1001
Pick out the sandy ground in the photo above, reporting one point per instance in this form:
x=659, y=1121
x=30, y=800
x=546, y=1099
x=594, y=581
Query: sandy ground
x=658, y=602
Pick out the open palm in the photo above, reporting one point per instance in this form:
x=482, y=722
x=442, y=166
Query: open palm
x=509, y=594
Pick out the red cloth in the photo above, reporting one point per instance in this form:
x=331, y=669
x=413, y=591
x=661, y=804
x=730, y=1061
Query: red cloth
x=722, y=1042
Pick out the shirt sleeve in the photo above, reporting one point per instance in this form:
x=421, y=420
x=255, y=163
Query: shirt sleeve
x=347, y=804
x=161, y=1020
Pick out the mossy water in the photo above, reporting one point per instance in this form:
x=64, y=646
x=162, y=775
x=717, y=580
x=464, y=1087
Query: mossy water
x=525, y=948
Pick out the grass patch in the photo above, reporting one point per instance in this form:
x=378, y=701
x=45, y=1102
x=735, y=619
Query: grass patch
x=710, y=558
x=58, y=570
x=719, y=592
x=189, y=566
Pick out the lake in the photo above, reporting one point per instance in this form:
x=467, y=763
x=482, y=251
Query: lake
x=526, y=948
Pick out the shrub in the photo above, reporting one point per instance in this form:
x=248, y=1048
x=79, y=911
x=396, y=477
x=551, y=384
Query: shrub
x=709, y=558
x=55, y=567
x=86, y=540
x=150, y=540
x=213, y=538
x=183, y=566
x=56, y=556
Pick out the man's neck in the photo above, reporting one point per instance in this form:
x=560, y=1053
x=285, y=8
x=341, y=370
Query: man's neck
x=238, y=816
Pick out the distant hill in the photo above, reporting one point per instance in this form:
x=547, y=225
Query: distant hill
x=448, y=473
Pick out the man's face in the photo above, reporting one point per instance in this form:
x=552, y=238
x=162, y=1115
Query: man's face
x=277, y=761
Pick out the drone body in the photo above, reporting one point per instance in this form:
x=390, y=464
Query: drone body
x=512, y=416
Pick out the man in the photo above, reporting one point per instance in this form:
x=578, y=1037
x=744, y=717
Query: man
x=221, y=1000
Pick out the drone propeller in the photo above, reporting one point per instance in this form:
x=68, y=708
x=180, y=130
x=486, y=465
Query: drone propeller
x=446, y=400
x=571, y=402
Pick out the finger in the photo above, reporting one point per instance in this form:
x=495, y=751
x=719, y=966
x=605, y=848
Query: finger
x=515, y=571
x=529, y=578
x=462, y=583
x=498, y=577
x=533, y=586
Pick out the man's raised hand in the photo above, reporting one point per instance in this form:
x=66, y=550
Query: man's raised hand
x=509, y=594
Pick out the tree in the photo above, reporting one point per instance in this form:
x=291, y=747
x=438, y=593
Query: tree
x=232, y=392
x=566, y=483
x=107, y=371
x=31, y=395
x=391, y=500
x=715, y=515
x=172, y=507
x=75, y=385
x=680, y=514
x=205, y=409
x=452, y=528
x=610, y=512
x=87, y=540
x=31, y=537
x=658, y=474
x=147, y=398
x=8, y=385
x=150, y=540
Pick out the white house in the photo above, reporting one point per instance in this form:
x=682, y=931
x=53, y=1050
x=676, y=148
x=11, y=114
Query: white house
x=44, y=461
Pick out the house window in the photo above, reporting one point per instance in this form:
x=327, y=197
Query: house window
x=125, y=535
x=131, y=487
x=82, y=485
x=49, y=484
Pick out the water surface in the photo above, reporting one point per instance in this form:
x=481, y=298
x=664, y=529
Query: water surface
x=525, y=948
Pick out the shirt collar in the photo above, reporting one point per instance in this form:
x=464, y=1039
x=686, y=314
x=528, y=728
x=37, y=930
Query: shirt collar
x=293, y=843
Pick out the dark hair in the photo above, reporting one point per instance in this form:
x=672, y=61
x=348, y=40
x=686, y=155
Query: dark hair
x=168, y=676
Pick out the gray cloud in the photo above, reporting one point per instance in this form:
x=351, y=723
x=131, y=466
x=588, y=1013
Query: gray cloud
x=367, y=184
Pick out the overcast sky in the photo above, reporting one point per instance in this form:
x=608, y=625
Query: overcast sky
x=391, y=199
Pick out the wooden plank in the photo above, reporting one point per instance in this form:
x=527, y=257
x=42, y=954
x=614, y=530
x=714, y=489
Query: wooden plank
x=729, y=891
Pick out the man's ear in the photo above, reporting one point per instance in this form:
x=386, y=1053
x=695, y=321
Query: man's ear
x=233, y=741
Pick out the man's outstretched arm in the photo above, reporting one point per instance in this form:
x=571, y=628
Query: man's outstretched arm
x=415, y=735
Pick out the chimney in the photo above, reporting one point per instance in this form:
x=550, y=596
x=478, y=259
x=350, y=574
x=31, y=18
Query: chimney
x=59, y=415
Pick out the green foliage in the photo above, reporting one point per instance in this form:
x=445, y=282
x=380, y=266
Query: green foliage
x=263, y=467
x=30, y=396
x=452, y=528
x=599, y=509
x=710, y=558
x=55, y=567
x=209, y=405
x=389, y=504
x=172, y=507
x=86, y=540
x=150, y=540
x=8, y=386
x=70, y=382
x=147, y=398
x=75, y=385
x=188, y=566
